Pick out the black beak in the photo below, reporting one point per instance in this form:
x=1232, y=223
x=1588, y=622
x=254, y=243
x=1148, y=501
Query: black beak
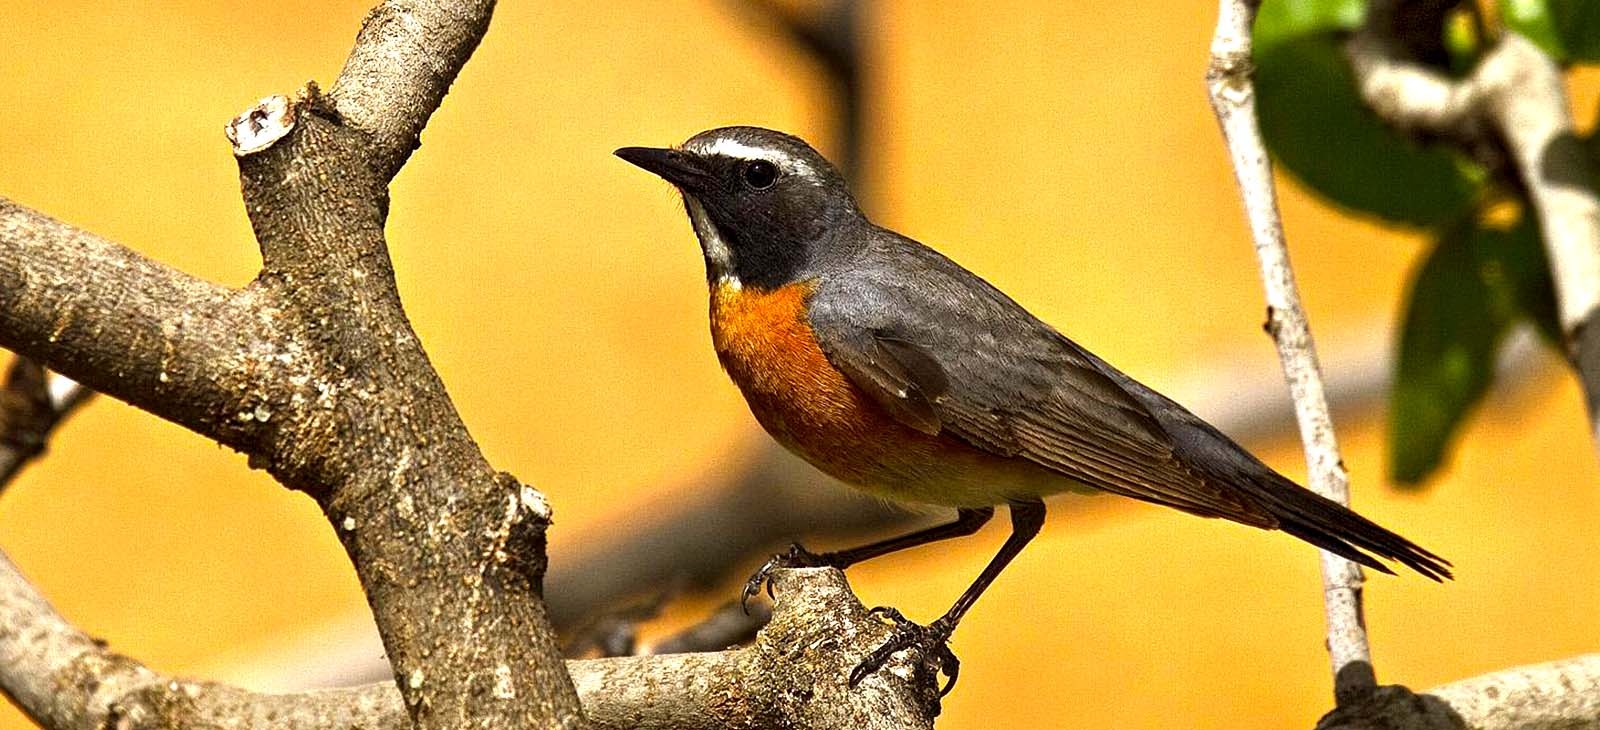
x=677, y=167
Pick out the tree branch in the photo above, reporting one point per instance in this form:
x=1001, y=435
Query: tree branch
x=1515, y=99
x=450, y=553
x=794, y=675
x=32, y=404
x=1558, y=695
x=134, y=329
x=405, y=58
x=1232, y=92
x=313, y=370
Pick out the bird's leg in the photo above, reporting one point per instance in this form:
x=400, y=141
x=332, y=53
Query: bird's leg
x=968, y=520
x=1026, y=519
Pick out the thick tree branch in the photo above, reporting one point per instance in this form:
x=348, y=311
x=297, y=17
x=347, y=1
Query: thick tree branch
x=450, y=553
x=184, y=349
x=405, y=58
x=1558, y=695
x=794, y=675
x=1515, y=99
x=1232, y=91
x=313, y=370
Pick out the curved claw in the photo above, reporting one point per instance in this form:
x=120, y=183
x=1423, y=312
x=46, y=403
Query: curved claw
x=753, y=585
x=888, y=613
x=931, y=639
x=796, y=557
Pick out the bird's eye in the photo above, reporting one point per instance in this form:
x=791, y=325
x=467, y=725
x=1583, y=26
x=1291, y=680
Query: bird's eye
x=760, y=174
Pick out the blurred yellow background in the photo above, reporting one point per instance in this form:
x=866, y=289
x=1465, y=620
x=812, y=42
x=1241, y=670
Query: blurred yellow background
x=1065, y=152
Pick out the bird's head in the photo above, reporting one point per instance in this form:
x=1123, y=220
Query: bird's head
x=765, y=205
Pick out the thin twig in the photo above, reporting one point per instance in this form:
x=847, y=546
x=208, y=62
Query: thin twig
x=1233, y=98
x=33, y=402
x=730, y=625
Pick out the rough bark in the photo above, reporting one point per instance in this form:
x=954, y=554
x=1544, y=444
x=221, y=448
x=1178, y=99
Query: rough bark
x=794, y=675
x=315, y=373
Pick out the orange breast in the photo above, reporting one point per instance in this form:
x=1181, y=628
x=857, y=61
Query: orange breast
x=766, y=344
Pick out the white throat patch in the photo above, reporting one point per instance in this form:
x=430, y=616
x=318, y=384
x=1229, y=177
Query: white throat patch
x=719, y=257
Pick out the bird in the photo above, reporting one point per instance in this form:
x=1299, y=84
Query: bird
x=894, y=369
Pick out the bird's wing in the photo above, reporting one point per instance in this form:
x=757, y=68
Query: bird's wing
x=958, y=357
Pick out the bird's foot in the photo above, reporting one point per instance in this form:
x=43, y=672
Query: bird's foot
x=932, y=640
x=796, y=557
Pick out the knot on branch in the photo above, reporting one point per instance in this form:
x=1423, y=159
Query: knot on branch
x=1392, y=707
x=518, y=540
x=819, y=632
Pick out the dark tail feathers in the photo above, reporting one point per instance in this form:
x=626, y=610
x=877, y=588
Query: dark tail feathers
x=1324, y=523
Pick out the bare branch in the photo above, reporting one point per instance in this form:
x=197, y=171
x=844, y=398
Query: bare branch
x=134, y=329
x=793, y=676
x=32, y=404
x=1515, y=98
x=1233, y=99
x=62, y=678
x=1558, y=695
x=313, y=370
x=405, y=58
x=728, y=626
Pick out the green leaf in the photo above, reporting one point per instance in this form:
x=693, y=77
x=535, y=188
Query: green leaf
x=1532, y=18
x=1448, y=341
x=1316, y=125
x=1513, y=265
x=1475, y=284
x=1462, y=43
x=1578, y=24
x=1281, y=20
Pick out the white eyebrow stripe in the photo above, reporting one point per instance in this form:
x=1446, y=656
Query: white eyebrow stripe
x=729, y=147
